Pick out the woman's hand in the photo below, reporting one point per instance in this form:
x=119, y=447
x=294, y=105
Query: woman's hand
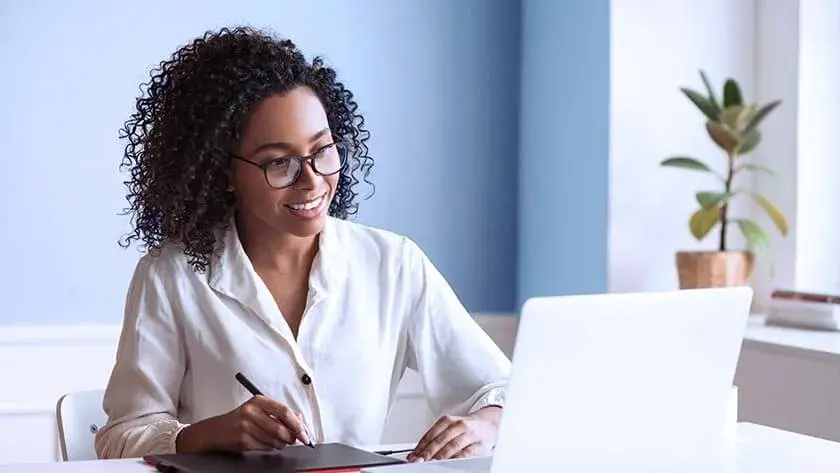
x=258, y=424
x=459, y=437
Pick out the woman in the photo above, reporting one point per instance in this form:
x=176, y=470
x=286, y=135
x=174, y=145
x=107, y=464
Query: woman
x=244, y=159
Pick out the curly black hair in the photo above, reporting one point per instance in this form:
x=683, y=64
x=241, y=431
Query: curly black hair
x=189, y=119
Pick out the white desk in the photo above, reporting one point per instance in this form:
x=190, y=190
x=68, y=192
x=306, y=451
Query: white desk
x=759, y=450
x=790, y=379
x=767, y=450
x=129, y=465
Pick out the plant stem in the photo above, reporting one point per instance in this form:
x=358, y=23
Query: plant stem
x=724, y=209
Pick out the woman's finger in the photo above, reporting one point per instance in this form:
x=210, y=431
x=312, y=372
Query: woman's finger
x=263, y=429
x=436, y=429
x=290, y=420
x=249, y=442
x=471, y=450
x=454, y=446
x=279, y=433
x=452, y=430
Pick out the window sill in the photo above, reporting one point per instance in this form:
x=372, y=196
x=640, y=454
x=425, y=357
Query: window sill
x=815, y=344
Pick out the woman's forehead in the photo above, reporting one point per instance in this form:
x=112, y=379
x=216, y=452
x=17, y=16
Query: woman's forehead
x=292, y=120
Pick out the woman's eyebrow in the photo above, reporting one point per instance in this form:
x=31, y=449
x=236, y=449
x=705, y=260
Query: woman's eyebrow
x=282, y=145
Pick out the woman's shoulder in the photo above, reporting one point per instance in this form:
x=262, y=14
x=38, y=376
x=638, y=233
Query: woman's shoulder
x=165, y=262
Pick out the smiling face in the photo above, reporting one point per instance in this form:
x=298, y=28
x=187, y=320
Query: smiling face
x=282, y=127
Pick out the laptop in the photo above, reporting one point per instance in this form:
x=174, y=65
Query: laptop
x=617, y=380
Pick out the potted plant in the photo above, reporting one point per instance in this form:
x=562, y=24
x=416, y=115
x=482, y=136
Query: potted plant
x=733, y=125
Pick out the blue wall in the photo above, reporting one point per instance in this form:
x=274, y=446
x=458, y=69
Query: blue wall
x=438, y=81
x=564, y=148
x=444, y=115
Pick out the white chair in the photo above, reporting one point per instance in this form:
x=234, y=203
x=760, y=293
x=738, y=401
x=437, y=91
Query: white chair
x=79, y=416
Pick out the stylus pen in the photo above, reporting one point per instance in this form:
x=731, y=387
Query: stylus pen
x=393, y=452
x=244, y=381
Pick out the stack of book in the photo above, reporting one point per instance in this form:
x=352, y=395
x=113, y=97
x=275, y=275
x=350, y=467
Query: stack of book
x=805, y=309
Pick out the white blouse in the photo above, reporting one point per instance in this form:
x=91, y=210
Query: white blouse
x=376, y=306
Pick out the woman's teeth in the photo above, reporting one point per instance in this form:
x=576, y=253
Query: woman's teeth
x=312, y=204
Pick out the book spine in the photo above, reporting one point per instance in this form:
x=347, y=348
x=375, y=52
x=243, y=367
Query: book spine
x=805, y=297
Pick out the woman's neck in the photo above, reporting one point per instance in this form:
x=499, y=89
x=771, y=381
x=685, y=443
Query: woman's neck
x=271, y=250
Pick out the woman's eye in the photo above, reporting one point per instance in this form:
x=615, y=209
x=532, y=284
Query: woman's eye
x=279, y=163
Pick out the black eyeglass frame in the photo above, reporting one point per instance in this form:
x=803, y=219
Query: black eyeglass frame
x=302, y=161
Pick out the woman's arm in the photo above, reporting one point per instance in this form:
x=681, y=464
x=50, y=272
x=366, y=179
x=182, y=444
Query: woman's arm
x=461, y=368
x=141, y=399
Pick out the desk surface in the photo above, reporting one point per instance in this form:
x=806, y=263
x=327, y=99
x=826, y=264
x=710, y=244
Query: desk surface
x=821, y=345
x=129, y=465
x=760, y=450
x=768, y=450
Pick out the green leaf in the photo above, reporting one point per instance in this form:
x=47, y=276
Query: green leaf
x=722, y=136
x=773, y=212
x=761, y=115
x=713, y=199
x=738, y=116
x=753, y=167
x=686, y=162
x=731, y=94
x=702, y=221
x=750, y=140
x=702, y=103
x=757, y=240
x=709, y=90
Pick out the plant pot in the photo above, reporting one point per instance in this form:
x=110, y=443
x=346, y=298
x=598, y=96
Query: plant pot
x=706, y=269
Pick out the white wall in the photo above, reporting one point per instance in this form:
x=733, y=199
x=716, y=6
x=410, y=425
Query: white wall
x=39, y=364
x=657, y=47
x=788, y=50
x=798, y=61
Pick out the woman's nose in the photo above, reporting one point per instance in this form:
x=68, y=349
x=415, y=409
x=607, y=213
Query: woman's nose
x=308, y=179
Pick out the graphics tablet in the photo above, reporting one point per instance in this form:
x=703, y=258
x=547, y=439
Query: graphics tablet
x=326, y=456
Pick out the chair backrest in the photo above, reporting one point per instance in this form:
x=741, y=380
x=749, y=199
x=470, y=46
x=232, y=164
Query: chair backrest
x=79, y=416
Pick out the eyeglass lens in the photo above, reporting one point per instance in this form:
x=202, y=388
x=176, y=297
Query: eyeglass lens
x=328, y=160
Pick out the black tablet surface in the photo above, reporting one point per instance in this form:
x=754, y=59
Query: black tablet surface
x=326, y=456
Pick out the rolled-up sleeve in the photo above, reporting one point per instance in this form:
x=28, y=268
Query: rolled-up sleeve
x=141, y=399
x=461, y=368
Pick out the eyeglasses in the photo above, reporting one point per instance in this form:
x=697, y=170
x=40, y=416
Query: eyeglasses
x=284, y=171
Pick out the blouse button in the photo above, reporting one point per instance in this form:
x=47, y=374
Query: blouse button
x=305, y=379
